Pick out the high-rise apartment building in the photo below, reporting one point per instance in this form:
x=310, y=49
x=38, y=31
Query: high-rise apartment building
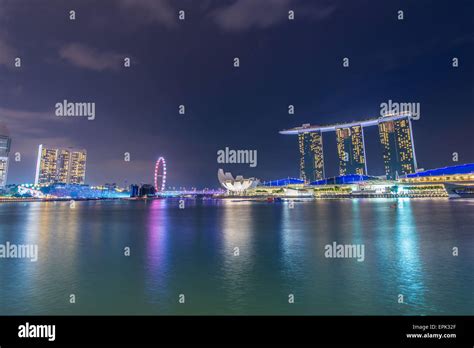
x=5, y=144
x=60, y=165
x=77, y=168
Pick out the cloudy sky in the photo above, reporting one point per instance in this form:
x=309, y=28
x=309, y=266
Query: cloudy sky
x=190, y=62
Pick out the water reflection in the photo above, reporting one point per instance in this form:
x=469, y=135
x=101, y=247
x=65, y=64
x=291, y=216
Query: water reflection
x=54, y=229
x=289, y=232
x=357, y=219
x=237, y=228
x=157, y=250
x=410, y=267
x=292, y=252
x=281, y=251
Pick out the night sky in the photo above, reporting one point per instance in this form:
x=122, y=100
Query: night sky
x=190, y=62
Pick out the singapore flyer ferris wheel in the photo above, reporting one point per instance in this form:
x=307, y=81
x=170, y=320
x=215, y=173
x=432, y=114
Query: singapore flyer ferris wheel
x=160, y=174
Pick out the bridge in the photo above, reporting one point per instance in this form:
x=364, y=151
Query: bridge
x=182, y=193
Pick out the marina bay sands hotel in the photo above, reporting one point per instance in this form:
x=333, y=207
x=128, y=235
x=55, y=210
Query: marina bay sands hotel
x=396, y=136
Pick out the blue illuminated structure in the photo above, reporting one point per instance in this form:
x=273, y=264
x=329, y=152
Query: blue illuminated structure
x=344, y=179
x=81, y=192
x=284, y=182
x=467, y=168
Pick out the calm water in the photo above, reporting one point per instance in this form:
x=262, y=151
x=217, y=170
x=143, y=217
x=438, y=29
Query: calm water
x=408, y=250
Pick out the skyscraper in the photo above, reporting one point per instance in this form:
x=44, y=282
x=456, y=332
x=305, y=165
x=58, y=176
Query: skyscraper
x=46, y=166
x=5, y=144
x=312, y=159
x=351, y=150
x=77, y=168
x=60, y=165
x=396, y=137
x=63, y=164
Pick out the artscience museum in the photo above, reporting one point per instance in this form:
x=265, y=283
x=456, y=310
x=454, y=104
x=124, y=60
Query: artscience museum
x=237, y=185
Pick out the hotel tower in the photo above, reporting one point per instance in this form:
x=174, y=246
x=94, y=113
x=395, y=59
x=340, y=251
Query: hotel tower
x=311, y=156
x=351, y=150
x=396, y=137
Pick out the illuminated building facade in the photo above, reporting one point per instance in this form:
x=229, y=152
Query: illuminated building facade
x=239, y=184
x=396, y=136
x=399, y=152
x=134, y=190
x=351, y=150
x=5, y=143
x=60, y=165
x=46, y=165
x=77, y=168
x=63, y=163
x=311, y=156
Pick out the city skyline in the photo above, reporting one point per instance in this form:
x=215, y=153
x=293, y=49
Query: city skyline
x=137, y=109
x=67, y=165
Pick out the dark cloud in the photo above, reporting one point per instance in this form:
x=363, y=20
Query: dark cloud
x=87, y=57
x=248, y=14
x=7, y=53
x=150, y=11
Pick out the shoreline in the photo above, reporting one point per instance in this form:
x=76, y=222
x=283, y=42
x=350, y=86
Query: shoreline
x=265, y=199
